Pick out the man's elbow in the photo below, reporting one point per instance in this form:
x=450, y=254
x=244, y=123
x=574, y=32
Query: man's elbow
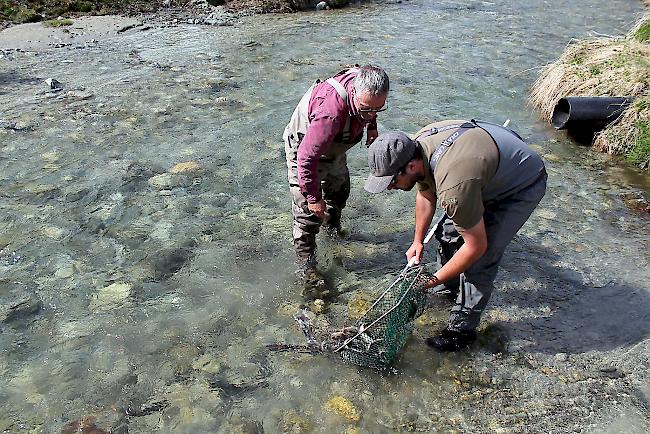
x=482, y=247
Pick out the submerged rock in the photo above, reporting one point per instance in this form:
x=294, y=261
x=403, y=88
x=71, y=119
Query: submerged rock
x=190, y=168
x=28, y=306
x=168, y=181
x=110, y=297
x=636, y=201
x=342, y=407
x=85, y=425
x=206, y=363
x=294, y=423
x=53, y=83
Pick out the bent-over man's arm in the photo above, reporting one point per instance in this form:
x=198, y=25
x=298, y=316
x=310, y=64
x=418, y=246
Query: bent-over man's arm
x=425, y=208
x=474, y=246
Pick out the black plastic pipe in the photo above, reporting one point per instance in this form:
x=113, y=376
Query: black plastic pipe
x=588, y=112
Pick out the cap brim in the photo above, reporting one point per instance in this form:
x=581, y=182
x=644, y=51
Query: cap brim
x=377, y=184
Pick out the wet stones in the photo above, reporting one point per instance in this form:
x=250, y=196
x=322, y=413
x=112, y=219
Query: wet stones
x=138, y=171
x=343, y=407
x=111, y=297
x=337, y=3
x=207, y=363
x=292, y=422
x=188, y=168
x=168, y=181
x=28, y=306
x=167, y=262
x=86, y=424
x=53, y=84
x=636, y=201
x=179, y=175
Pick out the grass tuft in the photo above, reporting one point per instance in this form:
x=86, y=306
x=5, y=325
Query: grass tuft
x=642, y=34
x=57, y=22
x=640, y=152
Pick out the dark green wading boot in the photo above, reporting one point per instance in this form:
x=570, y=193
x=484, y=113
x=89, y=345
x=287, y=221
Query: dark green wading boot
x=336, y=232
x=311, y=281
x=450, y=340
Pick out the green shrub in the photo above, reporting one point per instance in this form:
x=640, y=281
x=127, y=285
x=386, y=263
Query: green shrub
x=81, y=6
x=58, y=22
x=595, y=70
x=640, y=152
x=643, y=33
x=26, y=15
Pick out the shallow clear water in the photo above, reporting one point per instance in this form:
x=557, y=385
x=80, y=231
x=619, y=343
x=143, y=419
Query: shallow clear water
x=160, y=291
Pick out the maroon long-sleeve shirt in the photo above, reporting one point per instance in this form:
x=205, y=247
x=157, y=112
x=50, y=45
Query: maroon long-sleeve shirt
x=327, y=115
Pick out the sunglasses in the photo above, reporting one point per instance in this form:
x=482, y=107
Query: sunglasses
x=373, y=110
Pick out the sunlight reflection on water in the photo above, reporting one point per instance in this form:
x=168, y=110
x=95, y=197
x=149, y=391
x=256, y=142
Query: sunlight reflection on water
x=161, y=288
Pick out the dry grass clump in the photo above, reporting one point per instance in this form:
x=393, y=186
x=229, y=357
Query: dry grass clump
x=605, y=67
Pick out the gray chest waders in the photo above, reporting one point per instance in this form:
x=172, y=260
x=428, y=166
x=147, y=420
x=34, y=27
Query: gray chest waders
x=445, y=144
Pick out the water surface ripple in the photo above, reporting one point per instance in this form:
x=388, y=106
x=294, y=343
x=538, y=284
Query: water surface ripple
x=140, y=295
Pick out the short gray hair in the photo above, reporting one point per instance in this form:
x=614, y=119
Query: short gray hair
x=371, y=79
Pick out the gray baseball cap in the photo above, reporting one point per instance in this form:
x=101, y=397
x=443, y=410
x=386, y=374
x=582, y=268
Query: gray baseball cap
x=386, y=156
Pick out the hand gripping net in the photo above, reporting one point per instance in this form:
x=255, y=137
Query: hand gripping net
x=377, y=337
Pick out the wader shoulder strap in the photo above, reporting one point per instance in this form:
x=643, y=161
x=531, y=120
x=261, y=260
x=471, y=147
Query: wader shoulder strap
x=445, y=144
x=339, y=88
x=345, y=135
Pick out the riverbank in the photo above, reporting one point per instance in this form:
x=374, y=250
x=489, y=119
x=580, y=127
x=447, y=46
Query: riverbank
x=606, y=66
x=55, y=12
x=145, y=253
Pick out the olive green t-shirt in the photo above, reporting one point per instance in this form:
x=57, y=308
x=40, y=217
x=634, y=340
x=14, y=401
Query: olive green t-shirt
x=461, y=173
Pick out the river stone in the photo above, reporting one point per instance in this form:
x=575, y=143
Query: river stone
x=168, y=181
x=64, y=271
x=190, y=168
x=53, y=232
x=110, y=297
x=79, y=95
x=294, y=423
x=359, y=304
x=27, y=306
x=342, y=407
x=207, y=363
x=321, y=6
x=192, y=405
x=75, y=329
x=552, y=158
x=53, y=83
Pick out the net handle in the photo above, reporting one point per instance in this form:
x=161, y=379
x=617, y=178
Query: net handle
x=411, y=261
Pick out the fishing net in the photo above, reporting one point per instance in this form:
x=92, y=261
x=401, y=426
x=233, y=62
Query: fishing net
x=377, y=337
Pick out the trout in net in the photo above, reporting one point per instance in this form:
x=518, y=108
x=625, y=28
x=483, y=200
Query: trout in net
x=377, y=337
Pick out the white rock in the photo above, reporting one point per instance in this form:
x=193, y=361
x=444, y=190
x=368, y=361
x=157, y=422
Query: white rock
x=110, y=297
x=53, y=83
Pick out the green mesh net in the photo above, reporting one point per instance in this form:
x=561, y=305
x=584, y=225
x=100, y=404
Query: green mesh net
x=383, y=330
x=376, y=339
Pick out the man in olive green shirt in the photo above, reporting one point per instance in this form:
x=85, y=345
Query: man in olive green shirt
x=487, y=180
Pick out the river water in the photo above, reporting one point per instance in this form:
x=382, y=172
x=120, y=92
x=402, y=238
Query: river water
x=161, y=285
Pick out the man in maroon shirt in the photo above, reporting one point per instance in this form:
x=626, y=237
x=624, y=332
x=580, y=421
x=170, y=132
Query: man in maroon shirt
x=329, y=119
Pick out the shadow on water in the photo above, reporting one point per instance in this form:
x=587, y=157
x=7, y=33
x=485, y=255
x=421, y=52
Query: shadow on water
x=574, y=313
x=8, y=79
x=580, y=315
